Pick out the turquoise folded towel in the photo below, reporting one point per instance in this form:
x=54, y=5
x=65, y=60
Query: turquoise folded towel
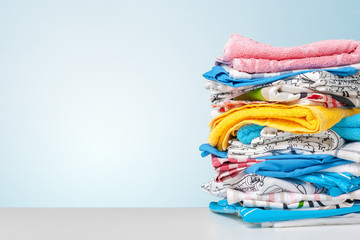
x=248, y=132
x=348, y=128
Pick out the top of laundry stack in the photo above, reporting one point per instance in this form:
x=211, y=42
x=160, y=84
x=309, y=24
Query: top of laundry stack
x=253, y=83
x=247, y=55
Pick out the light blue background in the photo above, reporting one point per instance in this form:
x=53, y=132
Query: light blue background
x=102, y=102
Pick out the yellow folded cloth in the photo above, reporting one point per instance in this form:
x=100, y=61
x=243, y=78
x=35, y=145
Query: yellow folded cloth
x=298, y=119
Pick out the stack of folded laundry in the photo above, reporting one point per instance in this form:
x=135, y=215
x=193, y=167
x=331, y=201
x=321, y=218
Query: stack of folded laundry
x=285, y=134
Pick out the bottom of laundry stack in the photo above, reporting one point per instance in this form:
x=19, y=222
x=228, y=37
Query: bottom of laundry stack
x=271, y=184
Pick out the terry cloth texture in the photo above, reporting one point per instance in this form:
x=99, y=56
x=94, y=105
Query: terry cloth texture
x=348, y=128
x=247, y=55
x=296, y=119
x=248, y=132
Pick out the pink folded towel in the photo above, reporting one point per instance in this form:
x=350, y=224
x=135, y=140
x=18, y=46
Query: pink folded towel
x=247, y=55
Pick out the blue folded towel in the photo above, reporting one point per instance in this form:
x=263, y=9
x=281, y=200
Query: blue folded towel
x=219, y=74
x=248, y=132
x=349, y=128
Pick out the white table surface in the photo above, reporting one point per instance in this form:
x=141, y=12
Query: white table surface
x=148, y=223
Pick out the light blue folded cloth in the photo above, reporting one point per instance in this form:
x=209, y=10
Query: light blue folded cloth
x=220, y=75
x=257, y=215
x=349, y=128
x=291, y=166
x=335, y=183
x=207, y=149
